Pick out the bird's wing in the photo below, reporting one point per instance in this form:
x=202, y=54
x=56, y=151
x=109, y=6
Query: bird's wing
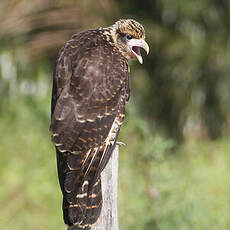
x=89, y=95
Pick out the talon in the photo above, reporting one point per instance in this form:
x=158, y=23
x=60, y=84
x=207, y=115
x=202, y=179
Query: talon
x=120, y=143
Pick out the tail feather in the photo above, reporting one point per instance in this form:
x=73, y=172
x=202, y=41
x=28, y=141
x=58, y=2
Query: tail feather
x=94, y=204
x=85, y=210
x=82, y=200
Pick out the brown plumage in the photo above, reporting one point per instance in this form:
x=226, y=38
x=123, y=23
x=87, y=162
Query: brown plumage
x=90, y=90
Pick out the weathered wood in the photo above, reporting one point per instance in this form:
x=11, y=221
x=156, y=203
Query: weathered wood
x=108, y=219
x=109, y=214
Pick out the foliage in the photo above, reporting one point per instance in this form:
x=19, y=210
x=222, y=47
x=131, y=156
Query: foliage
x=187, y=72
x=184, y=191
x=30, y=197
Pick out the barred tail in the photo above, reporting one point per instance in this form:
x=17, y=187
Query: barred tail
x=82, y=208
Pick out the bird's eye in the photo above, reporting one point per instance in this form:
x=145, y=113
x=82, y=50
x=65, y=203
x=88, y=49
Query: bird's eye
x=128, y=36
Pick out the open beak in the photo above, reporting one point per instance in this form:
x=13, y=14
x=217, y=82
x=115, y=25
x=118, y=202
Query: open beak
x=135, y=45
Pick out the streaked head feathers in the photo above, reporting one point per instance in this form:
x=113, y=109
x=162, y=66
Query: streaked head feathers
x=129, y=36
x=130, y=26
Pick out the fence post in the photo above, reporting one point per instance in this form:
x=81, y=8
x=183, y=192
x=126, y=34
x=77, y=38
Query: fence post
x=108, y=219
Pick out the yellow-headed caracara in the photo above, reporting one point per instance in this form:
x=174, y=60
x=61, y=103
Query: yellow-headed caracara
x=90, y=91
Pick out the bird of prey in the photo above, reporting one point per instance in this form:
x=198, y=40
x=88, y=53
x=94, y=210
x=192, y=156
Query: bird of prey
x=90, y=90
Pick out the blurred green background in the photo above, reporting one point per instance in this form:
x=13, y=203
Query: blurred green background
x=174, y=171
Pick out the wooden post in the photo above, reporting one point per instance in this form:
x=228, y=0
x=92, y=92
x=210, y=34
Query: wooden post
x=108, y=219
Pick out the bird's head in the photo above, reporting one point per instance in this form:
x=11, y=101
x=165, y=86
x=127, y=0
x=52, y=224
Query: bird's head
x=129, y=37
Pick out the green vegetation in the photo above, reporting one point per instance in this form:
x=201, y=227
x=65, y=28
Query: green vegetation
x=189, y=190
x=174, y=171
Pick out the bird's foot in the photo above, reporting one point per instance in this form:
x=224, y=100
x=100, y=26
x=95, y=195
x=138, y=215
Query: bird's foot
x=120, y=143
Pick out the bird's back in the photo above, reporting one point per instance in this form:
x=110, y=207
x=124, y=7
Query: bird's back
x=90, y=90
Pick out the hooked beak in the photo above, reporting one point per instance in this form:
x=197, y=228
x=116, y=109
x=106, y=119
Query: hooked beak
x=135, y=45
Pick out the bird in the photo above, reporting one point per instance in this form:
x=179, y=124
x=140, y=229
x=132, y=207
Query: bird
x=91, y=86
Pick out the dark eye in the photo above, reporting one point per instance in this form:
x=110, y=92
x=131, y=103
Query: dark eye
x=128, y=36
